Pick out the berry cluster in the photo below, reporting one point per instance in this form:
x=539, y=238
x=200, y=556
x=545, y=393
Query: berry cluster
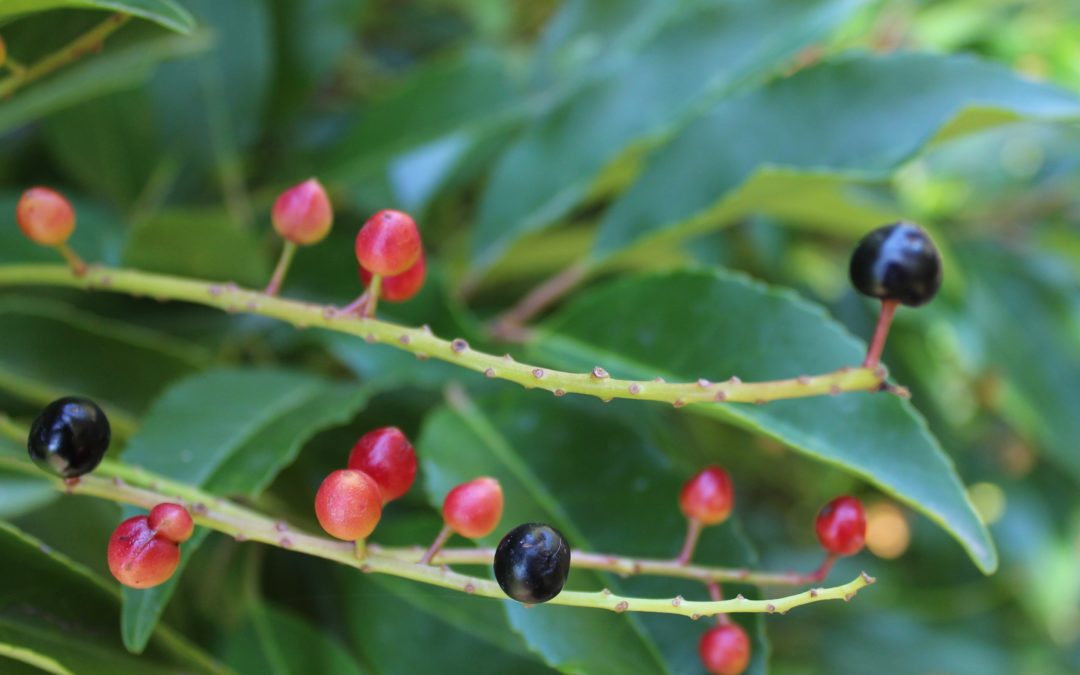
x=389, y=250
x=708, y=498
x=144, y=551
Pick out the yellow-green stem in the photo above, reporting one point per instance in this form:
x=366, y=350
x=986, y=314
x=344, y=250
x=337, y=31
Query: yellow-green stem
x=86, y=43
x=422, y=343
x=287, y=253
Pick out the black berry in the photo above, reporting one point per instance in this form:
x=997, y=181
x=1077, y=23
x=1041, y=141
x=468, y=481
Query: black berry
x=69, y=437
x=532, y=562
x=897, y=262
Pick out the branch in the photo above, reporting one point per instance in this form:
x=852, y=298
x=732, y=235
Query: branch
x=424, y=345
x=128, y=485
x=90, y=41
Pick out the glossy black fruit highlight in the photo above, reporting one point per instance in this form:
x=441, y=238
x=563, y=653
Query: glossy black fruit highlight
x=69, y=437
x=532, y=563
x=897, y=262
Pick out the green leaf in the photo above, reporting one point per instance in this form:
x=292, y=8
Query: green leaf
x=230, y=432
x=608, y=485
x=163, y=12
x=206, y=244
x=279, y=642
x=823, y=120
x=703, y=52
x=1021, y=306
x=689, y=325
x=21, y=493
x=117, y=69
x=58, y=612
x=52, y=349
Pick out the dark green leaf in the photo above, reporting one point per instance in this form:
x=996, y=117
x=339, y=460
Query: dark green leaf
x=823, y=120
x=205, y=244
x=278, y=642
x=598, y=477
x=51, y=349
x=164, y=12
x=639, y=329
x=53, y=608
x=702, y=52
x=230, y=431
x=117, y=69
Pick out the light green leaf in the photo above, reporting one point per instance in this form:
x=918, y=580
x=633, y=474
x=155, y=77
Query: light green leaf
x=689, y=325
x=825, y=120
x=164, y=12
x=697, y=55
x=230, y=432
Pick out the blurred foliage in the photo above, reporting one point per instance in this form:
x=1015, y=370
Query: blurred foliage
x=675, y=148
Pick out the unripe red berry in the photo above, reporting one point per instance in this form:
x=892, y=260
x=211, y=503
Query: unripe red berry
x=841, y=526
x=474, y=509
x=171, y=521
x=388, y=243
x=348, y=504
x=400, y=287
x=303, y=214
x=45, y=216
x=725, y=650
x=708, y=496
x=388, y=457
x=139, y=557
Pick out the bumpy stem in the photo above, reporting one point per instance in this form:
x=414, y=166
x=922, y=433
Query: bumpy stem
x=421, y=342
x=127, y=485
x=86, y=43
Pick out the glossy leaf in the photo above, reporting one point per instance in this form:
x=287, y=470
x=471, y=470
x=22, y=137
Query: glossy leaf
x=276, y=641
x=47, y=347
x=598, y=477
x=698, y=54
x=117, y=69
x=231, y=432
x=823, y=120
x=42, y=589
x=638, y=329
x=164, y=12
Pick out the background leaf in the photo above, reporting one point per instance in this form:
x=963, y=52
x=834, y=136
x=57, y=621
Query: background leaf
x=164, y=12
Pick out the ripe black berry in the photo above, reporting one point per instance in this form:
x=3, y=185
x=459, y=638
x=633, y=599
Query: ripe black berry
x=897, y=262
x=532, y=562
x=69, y=437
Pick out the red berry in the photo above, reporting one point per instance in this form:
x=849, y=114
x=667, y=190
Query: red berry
x=348, y=504
x=400, y=287
x=725, y=650
x=473, y=509
x=45, y=216
x=841, y=526
x=388, y=243
x=139, y=557
x=708, y=496
x=303, y=214
x=171, y=521
x=387, y=456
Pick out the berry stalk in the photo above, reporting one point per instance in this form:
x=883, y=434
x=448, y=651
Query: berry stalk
x=287, y=253
x=423, y=344
x=881, y=333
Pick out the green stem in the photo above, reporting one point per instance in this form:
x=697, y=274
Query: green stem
x=287, y=253
x=374, y=288
x=86, y=43
x=421, y=342
x=129, y=485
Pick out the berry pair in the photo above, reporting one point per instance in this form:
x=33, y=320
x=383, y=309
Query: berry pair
x=387, y=246
x=381, y=468
x=144, y=551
